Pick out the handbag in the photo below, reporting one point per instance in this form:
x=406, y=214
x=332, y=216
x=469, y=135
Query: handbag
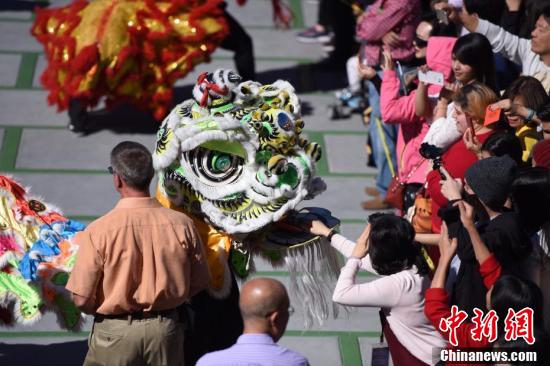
x=394, y=194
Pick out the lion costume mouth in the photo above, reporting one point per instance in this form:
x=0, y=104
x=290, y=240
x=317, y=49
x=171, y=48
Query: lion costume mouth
x=237, y=206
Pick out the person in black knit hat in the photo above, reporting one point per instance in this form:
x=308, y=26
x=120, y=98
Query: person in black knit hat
x=490, y=180
x=487, y=190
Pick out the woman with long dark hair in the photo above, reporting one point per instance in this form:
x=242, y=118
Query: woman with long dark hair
x=472, y=61
x=387, y=248
x=531, y=200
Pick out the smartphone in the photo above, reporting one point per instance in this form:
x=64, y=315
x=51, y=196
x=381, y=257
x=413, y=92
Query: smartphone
x=431, y=77
x=401, y=77
x=362, y=57
x=471, y=125
x=442, y=16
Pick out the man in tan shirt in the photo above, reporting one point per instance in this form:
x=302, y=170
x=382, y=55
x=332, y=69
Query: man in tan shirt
x=135, y=265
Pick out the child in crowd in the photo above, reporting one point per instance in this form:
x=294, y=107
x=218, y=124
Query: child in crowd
x=502, y=143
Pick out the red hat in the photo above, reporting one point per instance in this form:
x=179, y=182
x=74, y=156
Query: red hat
x=541, y=153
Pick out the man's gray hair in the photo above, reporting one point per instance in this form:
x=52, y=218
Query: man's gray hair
x=133, y=163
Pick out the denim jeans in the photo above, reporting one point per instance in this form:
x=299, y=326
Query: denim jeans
x=383, y=139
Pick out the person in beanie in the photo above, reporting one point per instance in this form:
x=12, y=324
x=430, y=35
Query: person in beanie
x=487, y=189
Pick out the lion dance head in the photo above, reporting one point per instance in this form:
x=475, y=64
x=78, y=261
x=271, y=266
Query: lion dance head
x=234, y=154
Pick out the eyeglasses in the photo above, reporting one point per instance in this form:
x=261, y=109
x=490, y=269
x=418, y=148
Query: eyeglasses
x=420, y=43
x=110, y=170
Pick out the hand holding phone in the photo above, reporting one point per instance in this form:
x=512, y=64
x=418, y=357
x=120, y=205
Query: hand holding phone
x=387, y=60
x=431, y=77
x=471, y=141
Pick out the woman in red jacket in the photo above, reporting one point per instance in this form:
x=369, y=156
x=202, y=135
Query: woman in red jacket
x=470, y=106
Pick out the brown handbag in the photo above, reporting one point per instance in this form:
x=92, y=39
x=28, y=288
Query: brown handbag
x=394, y=194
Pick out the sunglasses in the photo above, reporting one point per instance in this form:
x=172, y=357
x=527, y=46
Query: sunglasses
x=110, y=170
x=420, y=43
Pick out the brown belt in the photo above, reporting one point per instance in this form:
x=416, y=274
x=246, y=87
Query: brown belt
x=136, y=315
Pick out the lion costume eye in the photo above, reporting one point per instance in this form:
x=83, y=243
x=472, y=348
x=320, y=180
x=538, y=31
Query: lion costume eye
x=214, y=167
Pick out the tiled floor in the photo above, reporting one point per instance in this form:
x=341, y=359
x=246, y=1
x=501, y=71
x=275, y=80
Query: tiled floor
x=69, y=171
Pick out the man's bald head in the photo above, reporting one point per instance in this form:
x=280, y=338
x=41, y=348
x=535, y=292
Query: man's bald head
x=262, y=296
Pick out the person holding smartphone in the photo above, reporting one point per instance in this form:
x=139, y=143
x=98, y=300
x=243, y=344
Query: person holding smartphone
x=386, y=24
x=470, y=104
x=472, y=61
x=400, y=110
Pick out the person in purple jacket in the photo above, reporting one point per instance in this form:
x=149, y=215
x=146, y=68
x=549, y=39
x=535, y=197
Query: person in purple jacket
x=265, y=309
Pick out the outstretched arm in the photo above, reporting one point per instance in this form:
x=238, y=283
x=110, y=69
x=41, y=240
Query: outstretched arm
x=467, y=217
x=509, y=45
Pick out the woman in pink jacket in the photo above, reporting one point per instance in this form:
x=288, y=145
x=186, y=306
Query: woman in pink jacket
x=412, y=167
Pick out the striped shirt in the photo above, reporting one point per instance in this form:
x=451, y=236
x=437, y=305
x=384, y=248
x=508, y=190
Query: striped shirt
x=256, y=350
x=384, y=16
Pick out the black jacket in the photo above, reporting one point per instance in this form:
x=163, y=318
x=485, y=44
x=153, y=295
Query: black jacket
x=504, y=237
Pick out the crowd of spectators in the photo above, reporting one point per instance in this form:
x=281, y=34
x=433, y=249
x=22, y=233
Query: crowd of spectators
x=458, y=127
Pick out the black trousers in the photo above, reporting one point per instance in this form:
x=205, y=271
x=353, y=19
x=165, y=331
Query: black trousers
x=211, y=324
x=240, y=43
x=337, y=15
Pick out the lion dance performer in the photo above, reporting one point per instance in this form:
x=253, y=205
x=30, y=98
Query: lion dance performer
x=124, y=50
x=36, y=256
x=234, y=159
x=134, y=50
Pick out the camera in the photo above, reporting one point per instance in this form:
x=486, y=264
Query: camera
x=433, y=153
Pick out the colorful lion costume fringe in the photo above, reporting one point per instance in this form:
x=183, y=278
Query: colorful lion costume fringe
x=234, y=158
x=36, y=257
x=125, y=50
